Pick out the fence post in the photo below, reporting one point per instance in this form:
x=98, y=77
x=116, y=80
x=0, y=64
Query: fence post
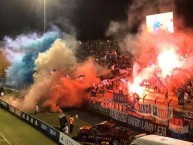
x=156, y=100
x=155, y=104
x=143, y=102
x=167, y=111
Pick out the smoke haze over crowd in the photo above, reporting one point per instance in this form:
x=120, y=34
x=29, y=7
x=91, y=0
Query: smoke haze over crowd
x=41, y=63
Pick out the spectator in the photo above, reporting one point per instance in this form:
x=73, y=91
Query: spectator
x=188, y=91
x=101, y=90
x=180, y=94
x=62, y=121
x=166, y=96
x=2, y=91
x=66, y=130
x=94, y=90
x=120, y=90
x=36, y=109
x=110, y=85
x=185, y=98
x=71, y=122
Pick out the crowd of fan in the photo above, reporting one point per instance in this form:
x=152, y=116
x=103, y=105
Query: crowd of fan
x=185, y=93
x=96, y=48
x=107, y=53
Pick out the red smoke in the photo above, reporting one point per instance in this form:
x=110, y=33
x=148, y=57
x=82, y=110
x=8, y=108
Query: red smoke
x=60, y=81
x=68, y=92
x=165, y=56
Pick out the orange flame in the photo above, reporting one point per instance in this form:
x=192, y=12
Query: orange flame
x=135, y=86
x=168, y=60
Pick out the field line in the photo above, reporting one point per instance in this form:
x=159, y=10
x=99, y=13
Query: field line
x=5, y=139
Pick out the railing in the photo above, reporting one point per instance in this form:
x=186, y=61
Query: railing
x=46, y=129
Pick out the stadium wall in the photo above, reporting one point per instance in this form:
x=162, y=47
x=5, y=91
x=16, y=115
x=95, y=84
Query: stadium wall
x=46, y=129
x=141, y=124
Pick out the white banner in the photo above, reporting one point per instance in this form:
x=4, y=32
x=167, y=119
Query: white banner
x=65, y=140
x=162, y=113
x=145, y=109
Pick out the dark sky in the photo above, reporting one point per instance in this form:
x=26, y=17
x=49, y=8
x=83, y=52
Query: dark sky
x=88, y=18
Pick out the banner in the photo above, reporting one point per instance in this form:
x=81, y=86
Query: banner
x=162, y=113
x=40, y=125
x=36, y=122
x=179, y=136
x=12, y=109
x=177, y=125
x=23, y=115
x=65, y=140
x=96, y=107
x=119, y=98
x=112, y=105
x=4, y=105
x=135, y=122
x=178, y=129
x=159, y=112
x=43, y=127
x=145, y=109
x=18, y=112
x=117, y=115
x=177, y=121
x=178, y=113
x=183, y=114
x=188, y=114
x=147, y=126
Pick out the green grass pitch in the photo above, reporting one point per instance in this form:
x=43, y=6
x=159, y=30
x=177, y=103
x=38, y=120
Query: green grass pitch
x=14, y=131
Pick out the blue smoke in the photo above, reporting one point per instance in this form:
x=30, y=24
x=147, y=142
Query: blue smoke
x=22, y=53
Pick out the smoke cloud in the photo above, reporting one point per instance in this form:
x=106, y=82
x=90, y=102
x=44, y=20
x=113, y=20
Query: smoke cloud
x=51, y=65
x=56, y=81
x=22, y=51
x=146, y=47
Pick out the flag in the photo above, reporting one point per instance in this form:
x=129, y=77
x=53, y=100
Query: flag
x=136, y=68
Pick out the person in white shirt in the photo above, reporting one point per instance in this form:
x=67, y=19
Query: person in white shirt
x=66, y=129
x=36, y=109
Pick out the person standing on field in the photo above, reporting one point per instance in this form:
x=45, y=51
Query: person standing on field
x=66, y=130
x=71, y=122
x=36, y=109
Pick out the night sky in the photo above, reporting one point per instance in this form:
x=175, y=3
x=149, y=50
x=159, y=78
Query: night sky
x=87, y=19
